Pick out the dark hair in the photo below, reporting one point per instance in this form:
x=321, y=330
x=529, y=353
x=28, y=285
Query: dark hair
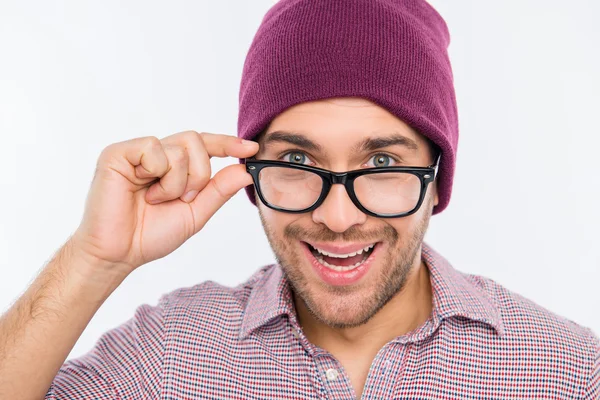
x=434, y=150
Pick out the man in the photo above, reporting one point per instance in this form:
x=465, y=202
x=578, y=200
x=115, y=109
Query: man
x=350, y=121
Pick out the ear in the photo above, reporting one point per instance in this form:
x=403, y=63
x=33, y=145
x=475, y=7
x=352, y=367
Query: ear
x=436, y=198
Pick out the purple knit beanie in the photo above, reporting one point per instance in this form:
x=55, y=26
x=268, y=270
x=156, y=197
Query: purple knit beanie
x=392, y=52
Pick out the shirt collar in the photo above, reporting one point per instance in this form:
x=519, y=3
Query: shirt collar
x=454, y=295
x=270, y=297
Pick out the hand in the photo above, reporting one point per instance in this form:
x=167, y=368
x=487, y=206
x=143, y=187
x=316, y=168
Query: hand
x=149, y=196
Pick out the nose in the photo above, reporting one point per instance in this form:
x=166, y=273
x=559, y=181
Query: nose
x=338, y=211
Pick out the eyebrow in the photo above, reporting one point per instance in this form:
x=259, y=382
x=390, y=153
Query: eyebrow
x=395, y=139
x=292, y=138
x=368, y=144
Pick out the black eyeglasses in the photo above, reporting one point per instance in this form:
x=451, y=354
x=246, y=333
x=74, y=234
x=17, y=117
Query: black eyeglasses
x=384, y=192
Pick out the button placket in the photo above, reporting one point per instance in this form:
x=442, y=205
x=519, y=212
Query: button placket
x=385, y=371
x=331, y=374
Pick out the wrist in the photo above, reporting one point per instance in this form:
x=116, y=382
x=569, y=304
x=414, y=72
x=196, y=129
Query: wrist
x=89, y=273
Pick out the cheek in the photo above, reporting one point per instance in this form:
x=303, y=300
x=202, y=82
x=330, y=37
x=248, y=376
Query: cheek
x=274, y=222
x=407, y=227
x=405, y=224
x=271, y=217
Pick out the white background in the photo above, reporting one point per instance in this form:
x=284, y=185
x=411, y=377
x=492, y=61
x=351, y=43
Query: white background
x=77, y=76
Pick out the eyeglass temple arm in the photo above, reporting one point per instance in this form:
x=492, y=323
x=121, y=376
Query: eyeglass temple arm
x=436, y=165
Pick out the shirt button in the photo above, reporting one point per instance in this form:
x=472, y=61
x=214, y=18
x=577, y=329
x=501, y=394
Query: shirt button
x=331, y=374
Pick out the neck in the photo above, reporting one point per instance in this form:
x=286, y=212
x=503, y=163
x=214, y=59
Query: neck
x=406, y=311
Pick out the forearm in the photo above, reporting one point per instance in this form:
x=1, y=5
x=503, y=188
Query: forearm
x=38, y=332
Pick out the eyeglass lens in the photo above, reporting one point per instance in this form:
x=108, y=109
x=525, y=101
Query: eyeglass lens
x=381, y=193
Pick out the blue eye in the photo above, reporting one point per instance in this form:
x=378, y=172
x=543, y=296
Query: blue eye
x=381, y=160
x=295, y=157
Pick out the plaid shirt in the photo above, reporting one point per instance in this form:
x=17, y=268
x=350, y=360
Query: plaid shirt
x=215, y=342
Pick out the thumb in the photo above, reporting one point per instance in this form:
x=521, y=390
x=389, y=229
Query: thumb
x=218, y=191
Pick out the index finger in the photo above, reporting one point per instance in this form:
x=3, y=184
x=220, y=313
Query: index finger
x=218, y=145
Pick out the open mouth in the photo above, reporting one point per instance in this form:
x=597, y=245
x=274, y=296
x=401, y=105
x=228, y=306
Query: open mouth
x=342, y=262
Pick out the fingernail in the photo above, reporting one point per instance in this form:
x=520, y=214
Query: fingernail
x=189, y=196
x=248, y=142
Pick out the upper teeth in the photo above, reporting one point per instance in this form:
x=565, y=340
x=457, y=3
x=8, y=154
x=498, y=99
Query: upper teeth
x=326, y=253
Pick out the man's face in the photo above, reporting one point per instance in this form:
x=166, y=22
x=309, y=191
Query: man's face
x=336, y=126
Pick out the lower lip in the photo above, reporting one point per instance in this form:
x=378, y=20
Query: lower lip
x=340, y=278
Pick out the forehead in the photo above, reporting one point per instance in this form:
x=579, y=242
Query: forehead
x=343, y=122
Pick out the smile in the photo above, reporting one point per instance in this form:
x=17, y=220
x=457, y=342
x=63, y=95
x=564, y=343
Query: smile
x=341, y=265
x=342, y=262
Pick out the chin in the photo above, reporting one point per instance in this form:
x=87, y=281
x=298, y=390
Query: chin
x=335, y=306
